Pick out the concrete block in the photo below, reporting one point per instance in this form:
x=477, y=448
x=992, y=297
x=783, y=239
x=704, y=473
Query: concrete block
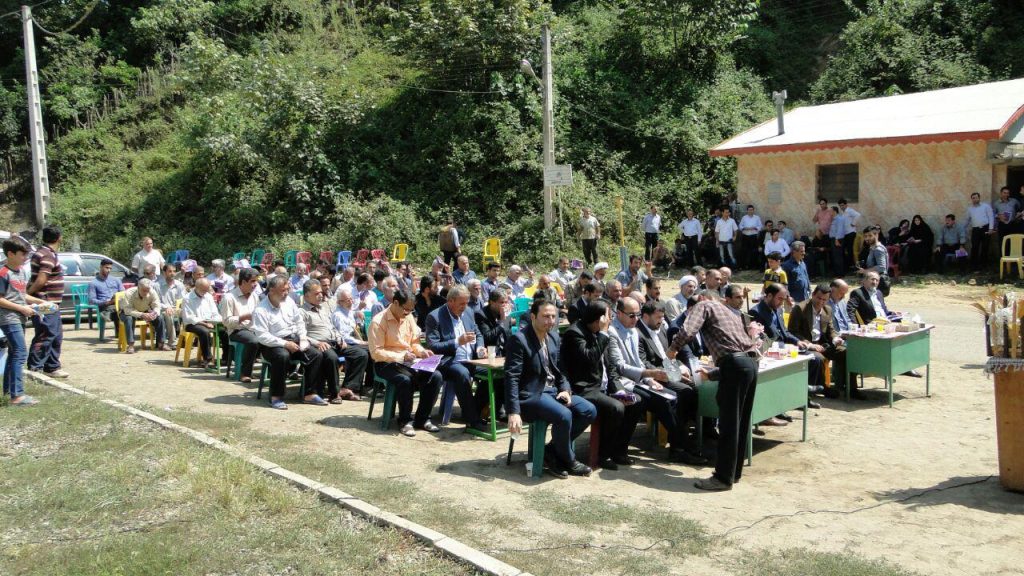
x=298, y=480
x=481, y=561
x=421, y=532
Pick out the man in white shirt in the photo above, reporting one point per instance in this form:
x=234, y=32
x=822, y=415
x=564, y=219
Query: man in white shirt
x=221, y=281
x=171, y=291
x=750, y=226
x=199, y=314
x=236, y=308
x=281, y=332
x=562, y=274
x=981, y=223
x=148, y=255
x=345, y=322
x=850, y=221
x=777, y=244
x=692, y=232
x=590, y=233
x=725, y=234
x=652, y=226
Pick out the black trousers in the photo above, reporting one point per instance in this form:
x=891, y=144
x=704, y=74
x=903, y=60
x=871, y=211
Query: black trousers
x=356, y=360
x=848, y=241
x=404, y=379
x=448, y=256
x=673, y=414
x=692, y=251
x=618, y=422
x=280, y=361
x=205, y=337
x=650, y=243
x=590, y=251
x=249, y=353
x=750, y=254
x=737, y=382
x=979, y=246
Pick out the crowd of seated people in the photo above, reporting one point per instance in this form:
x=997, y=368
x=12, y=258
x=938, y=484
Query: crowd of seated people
x=590, y=348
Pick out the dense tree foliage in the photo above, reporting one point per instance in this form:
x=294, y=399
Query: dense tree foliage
x=288, y=123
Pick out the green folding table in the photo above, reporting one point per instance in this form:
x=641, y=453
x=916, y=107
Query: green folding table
x=884, y=354
x=781, y=386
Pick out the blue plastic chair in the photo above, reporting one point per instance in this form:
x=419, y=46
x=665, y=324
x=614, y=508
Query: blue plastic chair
x=344, y=258
x=516, y=318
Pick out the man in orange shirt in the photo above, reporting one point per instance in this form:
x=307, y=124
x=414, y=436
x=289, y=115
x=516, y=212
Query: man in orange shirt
x=394, y=345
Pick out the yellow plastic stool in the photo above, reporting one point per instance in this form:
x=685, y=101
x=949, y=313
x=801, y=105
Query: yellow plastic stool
x=185, y=340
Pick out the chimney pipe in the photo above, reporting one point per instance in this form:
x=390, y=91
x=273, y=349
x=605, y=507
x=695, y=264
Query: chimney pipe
x=780, y=101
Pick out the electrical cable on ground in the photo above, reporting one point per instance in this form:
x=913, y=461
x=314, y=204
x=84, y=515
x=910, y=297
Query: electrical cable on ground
x=591, y=546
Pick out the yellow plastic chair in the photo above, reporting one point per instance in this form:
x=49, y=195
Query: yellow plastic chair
x=492, y=251
x=558, y=289
x=858, y=243
x=185, y=341
x=142, y=325
x=529, y=291
x=785, y=318
x=399, y=253
x=1015, y=254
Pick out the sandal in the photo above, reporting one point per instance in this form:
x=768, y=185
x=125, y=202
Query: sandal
x=278, y=405
x=335, y=400
x=315, y=400
x=26, y=401
x=246, y=380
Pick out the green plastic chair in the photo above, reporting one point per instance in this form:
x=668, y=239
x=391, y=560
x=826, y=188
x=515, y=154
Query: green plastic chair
x=289, y=258
x=80, y=298
x=390, y=397
x=535, y=452
x=257, y=257
x=238, y=256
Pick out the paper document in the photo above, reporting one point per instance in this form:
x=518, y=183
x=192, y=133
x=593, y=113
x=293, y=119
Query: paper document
x=664, y=392
x=428, y=364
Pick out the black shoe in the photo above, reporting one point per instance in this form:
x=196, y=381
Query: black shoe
x=552, y=464
x=758, y=431
x=785, y=417
x=687, y=458
x=608, y=464
x=480, y=426
x=579, y=469
x=712, y=484
x=623, y=460
x=913, y=374
x=557, y=472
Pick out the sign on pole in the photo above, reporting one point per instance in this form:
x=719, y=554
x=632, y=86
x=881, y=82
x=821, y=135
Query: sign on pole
x=558, y=175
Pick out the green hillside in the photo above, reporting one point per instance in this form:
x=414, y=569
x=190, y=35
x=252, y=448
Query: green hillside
x=320, y=124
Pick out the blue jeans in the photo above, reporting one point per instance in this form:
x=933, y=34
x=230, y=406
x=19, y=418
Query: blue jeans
x=44, y=354
x=567, y=422
x=17, y=353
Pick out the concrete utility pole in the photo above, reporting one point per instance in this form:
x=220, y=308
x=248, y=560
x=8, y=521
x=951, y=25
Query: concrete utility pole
x=547, y=85
x=780, y=102
x=37, y=135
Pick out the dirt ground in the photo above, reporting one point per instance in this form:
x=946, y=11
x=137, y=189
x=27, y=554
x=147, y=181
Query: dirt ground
x=838, y=492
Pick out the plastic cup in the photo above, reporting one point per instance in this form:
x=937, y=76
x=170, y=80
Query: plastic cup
x=793, y=352
x=529, y=468
x=492, y=351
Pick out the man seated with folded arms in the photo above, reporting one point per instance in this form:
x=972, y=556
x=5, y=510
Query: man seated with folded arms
x=236, y=308
x=675, y=414
x=811, y=321
x=220, y=280
x=199, y=314
x=462, y=273
x=172, y=291
x=281, y=331
x=536, y=389
x=593, y=373
x=316, y=312
x=491, y=320
x=347, y=324
x=141, y=303
x=589, y=295
x=102, y=289
x=427, y=301
x=452, y=333
x=768, y=313
x=394, y=345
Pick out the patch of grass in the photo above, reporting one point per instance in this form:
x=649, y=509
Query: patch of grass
x=804, y=561
x=131, y=498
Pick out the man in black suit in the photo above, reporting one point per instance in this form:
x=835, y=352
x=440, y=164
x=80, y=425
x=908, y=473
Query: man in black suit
x=536, y=389
x=589, y=294
x=867, y=302
x=452, y=333
x=586, y=357
x=674, y=415
x=491, y=320
x=768, y=313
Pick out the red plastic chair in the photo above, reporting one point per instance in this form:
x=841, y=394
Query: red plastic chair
x=304, y=257
x=894, y=261
x=379, y=255
x=361, y=258
x=326, y=256
x=267, y=263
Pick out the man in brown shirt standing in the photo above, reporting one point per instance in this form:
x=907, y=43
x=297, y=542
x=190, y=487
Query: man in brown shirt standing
x=47, y=283
x=734, y=349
